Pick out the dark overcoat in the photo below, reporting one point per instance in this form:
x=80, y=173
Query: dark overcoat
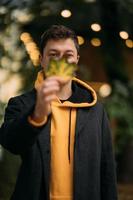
x=94, y=167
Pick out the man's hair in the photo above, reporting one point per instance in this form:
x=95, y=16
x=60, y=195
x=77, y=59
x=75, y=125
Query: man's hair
x=57, y=32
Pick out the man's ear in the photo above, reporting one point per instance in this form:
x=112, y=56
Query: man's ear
x=78, y=56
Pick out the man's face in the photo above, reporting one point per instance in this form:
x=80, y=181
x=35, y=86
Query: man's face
x=57, y=49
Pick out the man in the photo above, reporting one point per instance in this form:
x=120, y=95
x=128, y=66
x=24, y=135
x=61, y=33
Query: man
x=60, y=132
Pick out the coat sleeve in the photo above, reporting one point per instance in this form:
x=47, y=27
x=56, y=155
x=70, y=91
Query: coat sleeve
x=108, y=168
x=16, y=133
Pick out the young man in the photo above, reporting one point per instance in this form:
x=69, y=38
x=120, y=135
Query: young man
x=60, y=132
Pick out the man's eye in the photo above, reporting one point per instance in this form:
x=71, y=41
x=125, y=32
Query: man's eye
x=53, y=55
x=69, y=55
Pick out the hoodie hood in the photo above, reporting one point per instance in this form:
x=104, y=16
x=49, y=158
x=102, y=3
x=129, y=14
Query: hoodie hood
x=83, y=95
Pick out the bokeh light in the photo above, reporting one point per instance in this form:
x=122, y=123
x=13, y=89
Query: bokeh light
x=124, y=35
x=96, y=27
x=66, y=13
x=80, y=40
x=31, y=48
x=129, y=43
x=96, y=42
x=105, y=90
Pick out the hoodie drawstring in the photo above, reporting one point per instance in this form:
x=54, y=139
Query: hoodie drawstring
x=69, y=136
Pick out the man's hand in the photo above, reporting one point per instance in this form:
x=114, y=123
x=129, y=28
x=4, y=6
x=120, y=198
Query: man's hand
x=46, y=93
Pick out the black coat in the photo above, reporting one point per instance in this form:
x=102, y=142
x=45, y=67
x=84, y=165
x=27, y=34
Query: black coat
x=94, y=168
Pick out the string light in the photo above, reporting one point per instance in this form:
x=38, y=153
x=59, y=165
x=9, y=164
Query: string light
x=31, y=48
x=124, y=35
x=80, y=40
x=129, y=43
x=105, y=90
x=66, y=13
x=96, y=27
x=25, y=37
x=96, y=42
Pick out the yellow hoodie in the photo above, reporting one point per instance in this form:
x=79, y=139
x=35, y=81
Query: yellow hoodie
x=63, y=121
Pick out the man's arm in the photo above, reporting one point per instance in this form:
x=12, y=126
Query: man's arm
x=108, y=168
x=16, y=133
x=23, y=122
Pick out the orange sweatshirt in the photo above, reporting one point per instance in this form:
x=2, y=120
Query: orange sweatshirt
x=63, y=120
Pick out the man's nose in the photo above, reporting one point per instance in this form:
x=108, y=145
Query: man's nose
x=61, y=56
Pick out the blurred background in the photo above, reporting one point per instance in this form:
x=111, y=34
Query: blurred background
x=105, y=33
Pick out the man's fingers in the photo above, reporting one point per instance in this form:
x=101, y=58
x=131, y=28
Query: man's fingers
x=51, y=86
x=60, y=79
x=49, y=90
x=50, y=98
x=50, y=83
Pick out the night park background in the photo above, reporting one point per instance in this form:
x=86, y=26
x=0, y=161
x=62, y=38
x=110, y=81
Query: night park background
x=105, y=33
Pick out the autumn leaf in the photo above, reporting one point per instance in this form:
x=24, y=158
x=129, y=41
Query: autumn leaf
x=60, y=68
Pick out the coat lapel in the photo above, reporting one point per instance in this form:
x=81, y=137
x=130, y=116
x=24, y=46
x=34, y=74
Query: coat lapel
x=82, y=115
x=44, y=144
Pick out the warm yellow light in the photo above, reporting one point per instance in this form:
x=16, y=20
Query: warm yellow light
x=31, y=48
x=66, y=13
x=105, y=90
x=34, y=55
x=96, y=42
x=36, y=62
x=129, y=43
x=80, y=40
x=96, y=27
x=35, y=58
x=124, y=35
x=25, y=37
